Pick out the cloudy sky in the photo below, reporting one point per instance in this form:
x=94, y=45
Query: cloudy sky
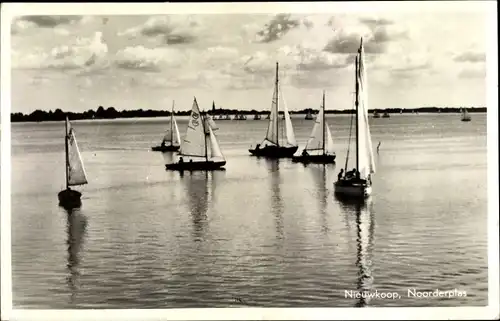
x=413, y=58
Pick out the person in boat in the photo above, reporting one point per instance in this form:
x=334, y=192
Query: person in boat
x=305, y=153
x=340, y=176
x=378, y=146
x=163, y=143
x=257, y=147
x=181, y=160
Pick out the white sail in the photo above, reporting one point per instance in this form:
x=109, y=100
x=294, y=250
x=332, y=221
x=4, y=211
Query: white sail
x=176, y=139
x=215, y=152
x=193, y=144
x=290, y=135
x=76, y=171
x=272, y=128
x=366, y=163
x=315, y=141
x=329, y=147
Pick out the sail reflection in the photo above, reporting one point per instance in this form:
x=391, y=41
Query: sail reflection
x=319, y=175
x=364, y=246
x=200, y=186
x=76, y=230
x=276, y=198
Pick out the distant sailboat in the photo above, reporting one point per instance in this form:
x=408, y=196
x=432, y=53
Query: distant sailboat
x=319, y=147
x=172, y=137
x=271, y=143
x=386, y=115
x=200, y=148
x=376, y=114
x=465, y=115
x=256, y=116
x=309, y=115
x=357, y=183
x=75, y=172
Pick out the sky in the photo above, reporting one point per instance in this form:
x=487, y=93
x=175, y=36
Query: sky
x=413, y=59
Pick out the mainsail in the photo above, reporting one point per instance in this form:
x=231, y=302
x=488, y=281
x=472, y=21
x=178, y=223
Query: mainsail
x=365, y=158
x=193, y=144
x=75, y=171
x=320, y=141
x=272, y=134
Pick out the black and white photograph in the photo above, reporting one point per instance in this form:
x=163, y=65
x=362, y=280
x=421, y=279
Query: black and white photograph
x=180, y=159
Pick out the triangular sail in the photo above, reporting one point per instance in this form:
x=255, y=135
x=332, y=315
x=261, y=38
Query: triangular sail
x=272, y=127
x=172, y=135
x=76, y=171
x=315, y=141
x=366, y=163
x=194, y=142
x=215, y=151
x=290, y=135
x=329, y=147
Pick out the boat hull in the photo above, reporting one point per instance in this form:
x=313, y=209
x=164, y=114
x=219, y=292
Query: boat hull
x=315, y=159
x=352, y=189
x=166, y=148
x=466, y=119
x=274, y=151
x=196, y=166
x=69, y=199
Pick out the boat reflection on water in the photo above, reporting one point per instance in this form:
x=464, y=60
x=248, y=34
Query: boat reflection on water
x=76, y=231
x=276, y=198
x=365, y=225
x=200, y=186
x=320, y=177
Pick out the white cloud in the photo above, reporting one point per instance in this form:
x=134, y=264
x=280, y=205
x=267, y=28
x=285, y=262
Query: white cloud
x=147, y=59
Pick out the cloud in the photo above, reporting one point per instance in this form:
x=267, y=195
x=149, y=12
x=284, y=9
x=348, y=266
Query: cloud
x=376, y=22
x=83, y=53
x=471, y=73
x=172, y=30
x=470, y=56
x=279, y=26
x=51, y=21
x=147, y=59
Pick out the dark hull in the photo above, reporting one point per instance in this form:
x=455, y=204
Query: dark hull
x=466, y=119
x=316, y=159
x=274, y=151
x=169, y=148
x=69, y=199
x=195, y=166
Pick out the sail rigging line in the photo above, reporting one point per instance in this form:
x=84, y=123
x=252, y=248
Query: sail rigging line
x=66, y=150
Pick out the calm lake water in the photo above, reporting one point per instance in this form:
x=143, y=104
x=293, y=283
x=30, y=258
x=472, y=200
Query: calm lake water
x=262, y=233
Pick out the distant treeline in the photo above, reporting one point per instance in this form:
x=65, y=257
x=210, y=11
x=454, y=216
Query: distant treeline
x=112, y=113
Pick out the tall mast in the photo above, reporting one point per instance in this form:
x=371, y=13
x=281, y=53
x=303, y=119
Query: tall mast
x=358, y=62
x=323, y=122
x=277, y=109
x=202, y=117
x=172, y=124
x=66, y=137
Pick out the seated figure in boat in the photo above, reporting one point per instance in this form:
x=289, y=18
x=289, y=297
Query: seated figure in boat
x=257, y=147
x=181, y=160
x=340, y=176
x=305, y=153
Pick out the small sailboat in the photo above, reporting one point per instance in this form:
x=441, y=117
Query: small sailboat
x=256, y=116
x=376, y=114
x=386, y=115
x=200, y=148
x=171, y=140
x=319, y=147
x=465, y=115
x=357, y=183
x=75, y=172
x=271, y=143
x=309, y=115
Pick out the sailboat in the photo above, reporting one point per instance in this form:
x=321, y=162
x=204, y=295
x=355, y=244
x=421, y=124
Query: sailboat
x=75, y=172
x=309, y=115
x=357, y=183
x=171, y=138
x=200, y=148
x=271, y=143
x=465, y=115
x=319, y=147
